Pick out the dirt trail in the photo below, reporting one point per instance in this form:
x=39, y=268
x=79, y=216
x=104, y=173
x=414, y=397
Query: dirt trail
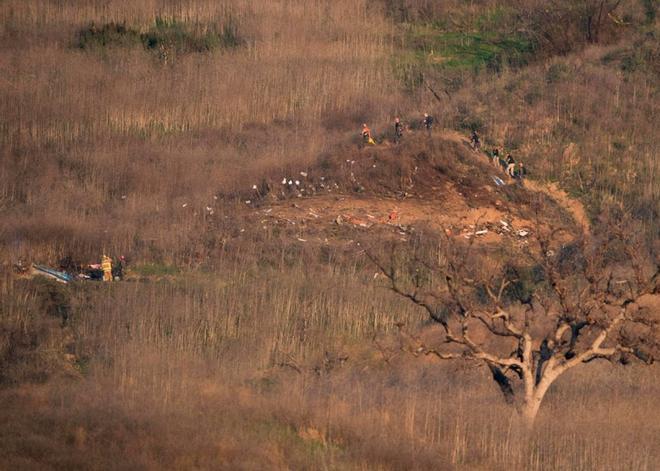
x=572, y=205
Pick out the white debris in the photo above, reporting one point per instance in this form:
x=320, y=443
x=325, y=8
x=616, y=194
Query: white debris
x=297, y=182
x=482, y=232
x=504, y=223
x=302, y=240
x=248, y=201
x=123, y=197
x=209, y=209
x=304, y=174
x=184, y=205
x=254, y=187
x=522, y=233
x=284, y=181
x=215, y=197
x=290, y=182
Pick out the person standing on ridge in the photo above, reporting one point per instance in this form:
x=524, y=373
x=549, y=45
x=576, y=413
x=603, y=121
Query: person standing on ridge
x=474, y=140
x=398, y=130
x=510, y=165
x=496, y=156
x=366, y=135
x=428, y=122
x=520, y=172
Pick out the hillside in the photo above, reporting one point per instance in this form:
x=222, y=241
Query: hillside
x=439, y=183
x=294, y=298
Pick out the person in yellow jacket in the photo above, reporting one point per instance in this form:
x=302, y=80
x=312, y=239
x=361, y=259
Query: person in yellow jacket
x=106, y=266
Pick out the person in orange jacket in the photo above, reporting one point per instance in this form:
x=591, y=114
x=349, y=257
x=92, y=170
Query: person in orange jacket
x=366, y=134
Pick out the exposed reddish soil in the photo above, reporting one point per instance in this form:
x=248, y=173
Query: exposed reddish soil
x=466, y=204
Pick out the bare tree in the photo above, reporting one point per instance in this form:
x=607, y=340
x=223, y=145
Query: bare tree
x=561, y=24
x=556, y=304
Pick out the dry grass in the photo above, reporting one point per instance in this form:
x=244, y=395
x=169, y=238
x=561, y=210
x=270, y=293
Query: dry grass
x=194, y=373
x=120, y=135
x=232, y=359
x=123, y=137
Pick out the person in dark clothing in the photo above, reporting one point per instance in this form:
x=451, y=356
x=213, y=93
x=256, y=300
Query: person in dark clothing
x=496, y=156
x=398, y=130
x=118, y=269
x=510, y=165
x=428, y=122
x=474, y=140
x=520, y=172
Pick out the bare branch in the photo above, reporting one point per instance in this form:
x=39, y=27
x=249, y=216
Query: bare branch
x=596, y=349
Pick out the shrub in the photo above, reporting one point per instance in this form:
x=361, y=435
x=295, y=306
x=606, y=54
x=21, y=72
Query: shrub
x=166, y=35
x=556, y=73
x=109, y=34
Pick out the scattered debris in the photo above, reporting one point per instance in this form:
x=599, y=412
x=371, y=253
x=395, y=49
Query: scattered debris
x=498, y=181
x=304, y=174
x=302, y=240
x=56, y=275
x=393, y=216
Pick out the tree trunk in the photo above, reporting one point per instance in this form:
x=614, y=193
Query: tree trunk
x=530, y=409
x=534, y=394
